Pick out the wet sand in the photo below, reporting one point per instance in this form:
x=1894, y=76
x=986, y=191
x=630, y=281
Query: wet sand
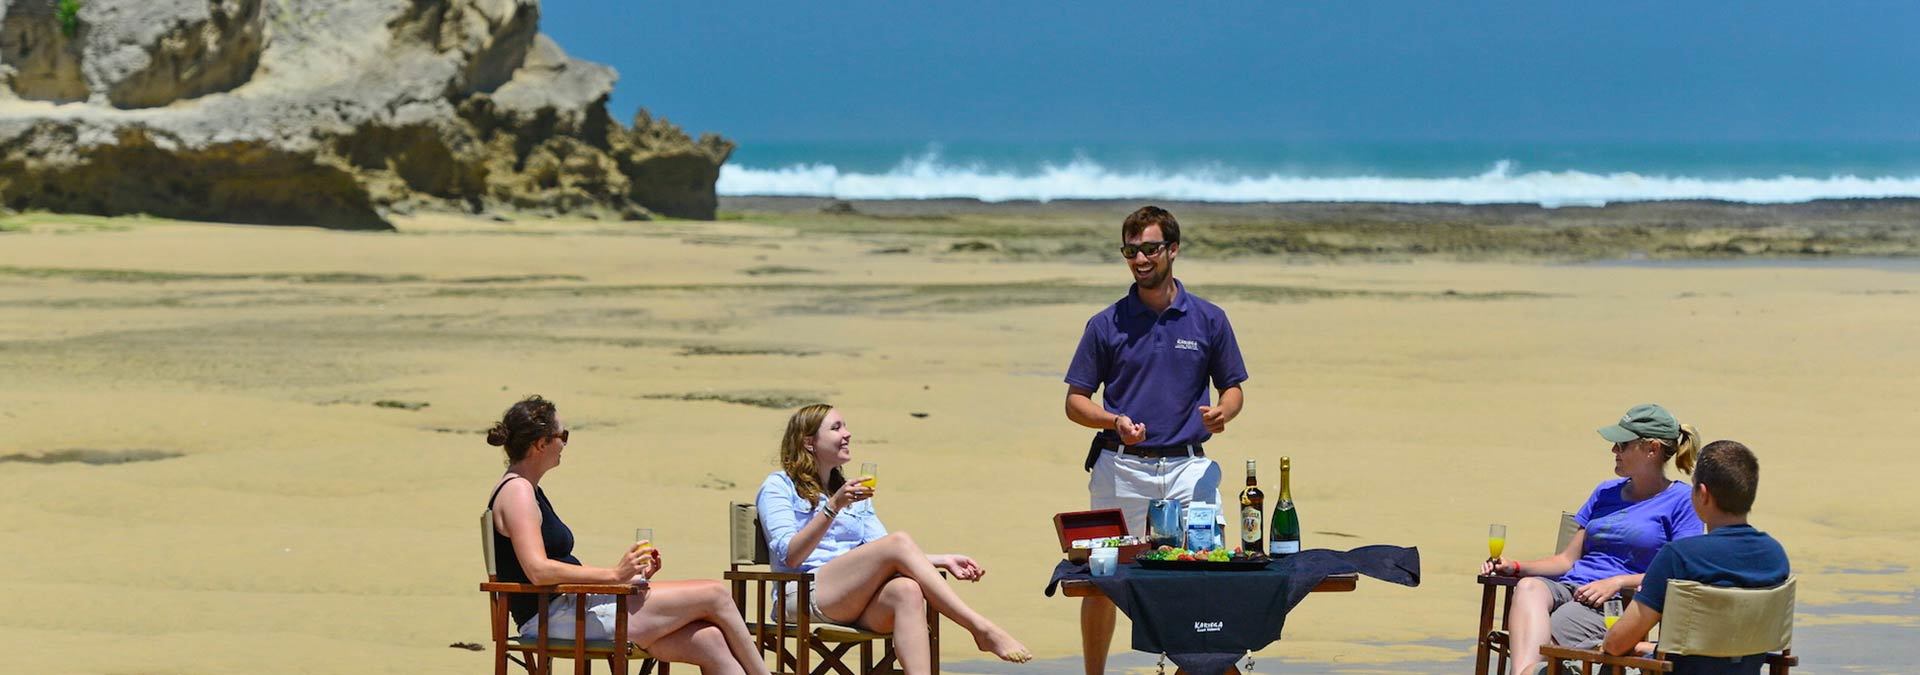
x=262, y=445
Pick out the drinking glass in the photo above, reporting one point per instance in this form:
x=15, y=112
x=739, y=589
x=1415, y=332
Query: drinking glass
x=641, y=534
x=1496, y=541
x=1612, y=609
x=1103, y=561
x=869, y=474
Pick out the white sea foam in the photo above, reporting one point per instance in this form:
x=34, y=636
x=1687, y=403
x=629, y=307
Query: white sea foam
x=927, y=177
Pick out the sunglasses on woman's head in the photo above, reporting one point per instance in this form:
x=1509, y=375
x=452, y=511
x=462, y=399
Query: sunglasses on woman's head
x=1150, y=248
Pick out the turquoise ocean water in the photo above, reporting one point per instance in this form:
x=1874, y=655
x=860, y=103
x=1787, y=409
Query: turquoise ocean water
x=1551, y=174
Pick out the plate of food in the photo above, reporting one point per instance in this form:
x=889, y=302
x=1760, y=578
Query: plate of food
x=1170, y=558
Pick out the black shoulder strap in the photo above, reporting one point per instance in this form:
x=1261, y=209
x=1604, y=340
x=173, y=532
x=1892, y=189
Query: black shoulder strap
x=503, y=484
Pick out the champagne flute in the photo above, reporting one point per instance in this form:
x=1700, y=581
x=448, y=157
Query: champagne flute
x=1496, y=541
x=1612, y=609
x=869, y=474
x=645, y=534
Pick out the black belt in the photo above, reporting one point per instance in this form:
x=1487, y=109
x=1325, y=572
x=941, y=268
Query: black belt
x=1151, y=452
x=1105, y=442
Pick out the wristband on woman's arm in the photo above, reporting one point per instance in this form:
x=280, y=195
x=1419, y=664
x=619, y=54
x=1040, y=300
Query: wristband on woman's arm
x=830, y=512
x=1516, y=568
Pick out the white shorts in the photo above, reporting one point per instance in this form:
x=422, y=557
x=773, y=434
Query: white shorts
x=787, y=604
x=1127, y=483
x=600, y=611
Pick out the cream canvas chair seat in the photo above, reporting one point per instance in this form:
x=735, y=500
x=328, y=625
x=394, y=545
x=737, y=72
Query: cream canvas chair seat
x=537, y=654
x=1497, y=591
x=795, y=644
x=1704, y=620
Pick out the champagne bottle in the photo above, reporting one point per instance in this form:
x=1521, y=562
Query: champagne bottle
x=1252, y=511
x=1286, y=523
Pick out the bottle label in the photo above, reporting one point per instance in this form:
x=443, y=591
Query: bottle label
x=1249, y=524
x=1284, y=548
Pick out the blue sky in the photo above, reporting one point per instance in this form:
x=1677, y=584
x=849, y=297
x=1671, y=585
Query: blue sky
x=1225, y=71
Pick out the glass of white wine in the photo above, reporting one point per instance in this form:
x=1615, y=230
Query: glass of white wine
x=1612, y=609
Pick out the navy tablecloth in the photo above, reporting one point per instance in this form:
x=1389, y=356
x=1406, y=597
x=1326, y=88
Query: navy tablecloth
x=1206, y=620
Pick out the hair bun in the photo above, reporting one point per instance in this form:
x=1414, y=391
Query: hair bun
x=497, y=435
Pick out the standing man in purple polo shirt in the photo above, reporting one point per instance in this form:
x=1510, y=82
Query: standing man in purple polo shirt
x=1154, y=351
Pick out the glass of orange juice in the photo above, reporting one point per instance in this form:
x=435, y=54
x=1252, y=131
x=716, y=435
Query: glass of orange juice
x=1496, y=541
x=869, y=474
x=1612, y=609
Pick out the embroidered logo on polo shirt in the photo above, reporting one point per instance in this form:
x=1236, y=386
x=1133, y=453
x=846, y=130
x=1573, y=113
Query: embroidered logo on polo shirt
x=1183, y=343
x=1208, y=626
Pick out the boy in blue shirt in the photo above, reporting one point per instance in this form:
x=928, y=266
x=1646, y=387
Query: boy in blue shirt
x=1730, y=554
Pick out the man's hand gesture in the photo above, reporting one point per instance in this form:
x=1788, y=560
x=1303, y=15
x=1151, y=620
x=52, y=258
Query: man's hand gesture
x=1131, y=432
x=1214, y=417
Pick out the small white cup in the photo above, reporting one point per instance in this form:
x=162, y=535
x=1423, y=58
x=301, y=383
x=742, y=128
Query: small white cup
x=1103, y=561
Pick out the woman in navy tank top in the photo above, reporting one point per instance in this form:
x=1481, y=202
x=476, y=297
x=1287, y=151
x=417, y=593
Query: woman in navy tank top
x=685, y=621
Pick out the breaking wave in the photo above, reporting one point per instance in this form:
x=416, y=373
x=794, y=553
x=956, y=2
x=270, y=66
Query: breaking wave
x=929, y=177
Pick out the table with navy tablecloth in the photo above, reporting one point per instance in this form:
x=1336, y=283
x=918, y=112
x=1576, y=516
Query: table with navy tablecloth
x=1206, y=620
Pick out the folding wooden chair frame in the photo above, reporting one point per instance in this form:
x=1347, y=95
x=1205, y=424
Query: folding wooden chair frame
x=537, y=656
x=831, y=643
x=1593, y=662
x=1494, y=642
x=1688, y=612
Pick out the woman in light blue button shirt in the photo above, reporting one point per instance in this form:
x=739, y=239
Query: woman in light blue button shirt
x=818, y=522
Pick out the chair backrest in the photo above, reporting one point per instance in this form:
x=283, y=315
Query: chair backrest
x=748, y=543
x=1706, y=620
x=1568, y=526
x=486, y=544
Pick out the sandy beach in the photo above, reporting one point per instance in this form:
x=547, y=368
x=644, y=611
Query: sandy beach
x=232, y=449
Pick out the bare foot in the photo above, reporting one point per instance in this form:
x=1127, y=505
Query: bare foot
x=999, y=643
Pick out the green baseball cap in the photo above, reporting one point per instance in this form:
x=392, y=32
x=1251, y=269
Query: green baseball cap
x=1646, y=420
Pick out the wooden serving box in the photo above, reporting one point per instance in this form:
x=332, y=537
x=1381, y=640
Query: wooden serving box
x=1092, y=525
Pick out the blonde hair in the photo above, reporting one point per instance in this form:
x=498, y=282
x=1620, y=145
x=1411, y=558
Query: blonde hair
x=797, y=460
x=1682, y=451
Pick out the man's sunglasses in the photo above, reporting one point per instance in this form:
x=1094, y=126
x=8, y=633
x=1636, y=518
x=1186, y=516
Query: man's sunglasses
x=1151, y=248
x=564, y=433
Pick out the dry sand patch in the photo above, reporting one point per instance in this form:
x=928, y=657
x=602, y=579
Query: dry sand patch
x=1419, y=401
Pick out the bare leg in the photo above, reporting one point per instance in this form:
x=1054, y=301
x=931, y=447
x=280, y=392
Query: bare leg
x=900, y=608
x=848, y=584
x=665, y=607
x=701, y=644
x=1096, y=632
x=1528, y=625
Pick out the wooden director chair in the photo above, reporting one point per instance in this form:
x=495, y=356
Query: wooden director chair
x=1703, y=620
x=537, y=655
x=1494, y=641
x=794, y=645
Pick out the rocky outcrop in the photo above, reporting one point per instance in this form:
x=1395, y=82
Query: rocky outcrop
x=36, y=60
x=326, y=113
x=131, y=54
x=669, y=171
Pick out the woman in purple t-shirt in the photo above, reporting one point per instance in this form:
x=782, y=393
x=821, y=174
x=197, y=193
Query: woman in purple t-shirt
x=1622, y=525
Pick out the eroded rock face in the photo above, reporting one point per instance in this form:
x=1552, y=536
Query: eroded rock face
x=140, y=54
x=242, y=181
x=671, y=173
x=491, y=37
x=36, y=60
x=325, y=113
x=153, y=52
